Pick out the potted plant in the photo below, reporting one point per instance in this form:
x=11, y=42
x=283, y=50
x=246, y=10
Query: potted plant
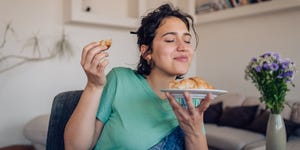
x=272, y=76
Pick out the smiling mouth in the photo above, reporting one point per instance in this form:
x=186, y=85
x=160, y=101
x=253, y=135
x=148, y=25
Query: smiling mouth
x=182, y=59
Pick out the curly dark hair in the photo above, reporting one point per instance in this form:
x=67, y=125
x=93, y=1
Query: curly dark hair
x=149, y=24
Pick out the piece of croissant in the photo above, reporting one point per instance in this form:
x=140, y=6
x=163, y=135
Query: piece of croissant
x=107, y=43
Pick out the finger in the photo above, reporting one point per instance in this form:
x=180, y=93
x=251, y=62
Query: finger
x=209, y=96
x=86, y=49
x=89, y=61
x=177, y=108
x=98, y=58
x=90, y=47
x=205, y=103
x=103, y=63
x=90, y=57
x=174, y=104
x=189, y=102
x=101, y=67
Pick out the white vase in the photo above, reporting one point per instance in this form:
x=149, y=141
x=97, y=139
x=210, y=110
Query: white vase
x=276, y=134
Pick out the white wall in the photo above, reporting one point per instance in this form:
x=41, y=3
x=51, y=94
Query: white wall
x=224, y=50
x=28, y=90
x=226, y=47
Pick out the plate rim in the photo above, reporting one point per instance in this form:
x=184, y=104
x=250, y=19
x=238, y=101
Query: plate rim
x=204, y=91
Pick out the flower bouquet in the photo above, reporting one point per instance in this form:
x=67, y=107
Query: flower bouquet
x=271, y=75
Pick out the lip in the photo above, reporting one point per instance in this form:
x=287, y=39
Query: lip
x=182, y=58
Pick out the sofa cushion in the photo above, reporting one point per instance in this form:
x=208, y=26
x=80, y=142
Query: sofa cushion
x=290, y=127
x=252, y=100
x=229, y=138
x=297, y=132
x=36, y=129
x=238, y=116
x=287, y=110
x=213, y=113
x=259, y=124
x=295, y=115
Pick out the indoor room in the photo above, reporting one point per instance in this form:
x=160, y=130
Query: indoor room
x=42, y=41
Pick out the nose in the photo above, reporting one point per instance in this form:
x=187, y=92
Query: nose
x=181, y=45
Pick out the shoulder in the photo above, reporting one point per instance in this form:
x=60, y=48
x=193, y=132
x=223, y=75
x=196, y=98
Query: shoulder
x=121, y=72
x=122, y=69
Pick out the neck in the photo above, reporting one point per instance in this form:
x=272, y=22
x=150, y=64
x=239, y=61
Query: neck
x=158, y=82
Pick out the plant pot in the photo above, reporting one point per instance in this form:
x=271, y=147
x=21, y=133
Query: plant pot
x=276, y=133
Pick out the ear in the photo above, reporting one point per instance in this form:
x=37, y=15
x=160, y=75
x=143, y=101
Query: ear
x=143, y=50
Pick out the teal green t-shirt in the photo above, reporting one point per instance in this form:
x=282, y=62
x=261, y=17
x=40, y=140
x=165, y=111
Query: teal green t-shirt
x=134, y=117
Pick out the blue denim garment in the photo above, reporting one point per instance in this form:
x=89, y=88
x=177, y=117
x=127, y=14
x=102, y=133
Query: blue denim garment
x=174, y=141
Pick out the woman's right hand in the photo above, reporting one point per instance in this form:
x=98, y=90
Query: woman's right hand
x=83, y=129
x=93, y=61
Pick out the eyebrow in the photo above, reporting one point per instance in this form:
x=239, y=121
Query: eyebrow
x=175, y=33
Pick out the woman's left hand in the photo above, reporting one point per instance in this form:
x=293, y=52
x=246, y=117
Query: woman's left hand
x=190, y=119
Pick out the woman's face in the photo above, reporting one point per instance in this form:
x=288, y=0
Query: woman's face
x=172, y=48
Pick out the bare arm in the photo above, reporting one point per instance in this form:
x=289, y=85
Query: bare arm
x=191, y=121
x=83, y=129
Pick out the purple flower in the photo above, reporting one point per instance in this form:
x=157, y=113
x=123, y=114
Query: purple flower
x=289, y=73
x=270, y=64
x=266, y=54
x=280, y=76
x=266, y=66
x=285, y=63
x=257, y=68
x=254, y=59
x=276, y=55
x=274, y=66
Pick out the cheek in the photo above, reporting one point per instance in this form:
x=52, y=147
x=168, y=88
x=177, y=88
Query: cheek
x=191, y=53
x=162, y=56
x=162, y=52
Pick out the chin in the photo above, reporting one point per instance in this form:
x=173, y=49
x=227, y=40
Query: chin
x=181, y=72
x=179, y=69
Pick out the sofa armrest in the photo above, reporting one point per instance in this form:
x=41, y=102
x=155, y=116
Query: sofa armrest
x=62, y=108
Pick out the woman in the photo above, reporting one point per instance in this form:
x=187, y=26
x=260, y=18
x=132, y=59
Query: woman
x=126, y=109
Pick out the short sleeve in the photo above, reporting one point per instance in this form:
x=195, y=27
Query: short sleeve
x=105, y=107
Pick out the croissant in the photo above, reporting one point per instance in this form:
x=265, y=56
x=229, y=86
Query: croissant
x=190, y=83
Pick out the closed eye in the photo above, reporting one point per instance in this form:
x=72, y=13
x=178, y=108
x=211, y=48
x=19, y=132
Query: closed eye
x=187, y=38
x=188, y=42
x=169, y=41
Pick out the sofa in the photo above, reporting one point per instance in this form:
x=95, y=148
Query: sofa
x=232, y=122
x=237, y=122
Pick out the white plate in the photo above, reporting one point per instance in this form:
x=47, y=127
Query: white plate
x=195, y=93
